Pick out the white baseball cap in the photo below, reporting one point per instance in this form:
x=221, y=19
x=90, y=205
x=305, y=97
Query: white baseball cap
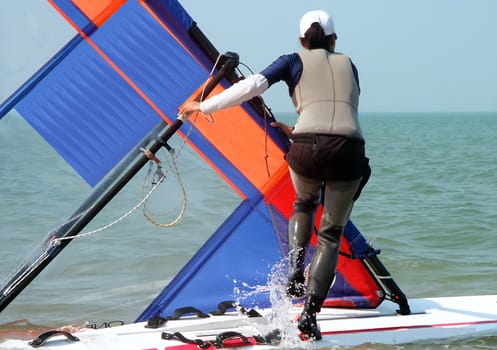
x=324, y=19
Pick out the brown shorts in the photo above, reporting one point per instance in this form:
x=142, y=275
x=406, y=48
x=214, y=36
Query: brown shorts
x=327, y=157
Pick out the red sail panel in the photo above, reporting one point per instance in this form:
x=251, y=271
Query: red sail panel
x=243, y=143
x=98, y=11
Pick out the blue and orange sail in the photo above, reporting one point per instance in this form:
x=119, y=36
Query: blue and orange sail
x=130, y=67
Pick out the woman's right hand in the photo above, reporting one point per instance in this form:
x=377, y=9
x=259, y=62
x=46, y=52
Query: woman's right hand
x=287, y=130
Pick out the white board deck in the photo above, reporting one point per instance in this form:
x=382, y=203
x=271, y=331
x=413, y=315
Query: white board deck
x=431, y=318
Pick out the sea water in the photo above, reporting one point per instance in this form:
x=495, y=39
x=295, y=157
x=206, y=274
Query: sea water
x=430, y=206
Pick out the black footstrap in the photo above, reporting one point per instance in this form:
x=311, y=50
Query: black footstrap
x=223, y=306
x=222, y=337
x=42, y=338
x=219, y=343
x=182, y=311
x=272, y=338
x=155, y=322
x=180, y=337
x=252, y=313
x=158, y=321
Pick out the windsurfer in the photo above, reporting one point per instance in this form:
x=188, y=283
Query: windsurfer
x=327, y=152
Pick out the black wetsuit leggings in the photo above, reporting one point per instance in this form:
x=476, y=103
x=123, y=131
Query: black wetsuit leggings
x=338, y=203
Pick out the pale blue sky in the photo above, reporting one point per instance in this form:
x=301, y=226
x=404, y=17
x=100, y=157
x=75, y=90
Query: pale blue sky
x=412, y=56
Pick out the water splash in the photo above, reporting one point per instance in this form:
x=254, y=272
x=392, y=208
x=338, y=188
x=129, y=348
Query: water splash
x=282, y=315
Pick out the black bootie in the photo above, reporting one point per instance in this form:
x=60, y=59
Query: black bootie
x=307, y=322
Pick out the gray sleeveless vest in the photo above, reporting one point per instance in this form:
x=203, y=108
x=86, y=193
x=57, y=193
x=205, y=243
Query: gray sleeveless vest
x=327, y=95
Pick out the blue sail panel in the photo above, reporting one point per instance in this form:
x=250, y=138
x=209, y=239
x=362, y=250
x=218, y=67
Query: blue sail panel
x=79, y=111
x=99, y=102
x=230, y=265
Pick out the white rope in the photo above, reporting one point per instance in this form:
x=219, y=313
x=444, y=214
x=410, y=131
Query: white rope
x=105, y=227
x=143, y=202
x=183, y=191
x=209, y=119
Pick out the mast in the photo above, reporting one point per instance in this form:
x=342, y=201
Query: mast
x=101, y=196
